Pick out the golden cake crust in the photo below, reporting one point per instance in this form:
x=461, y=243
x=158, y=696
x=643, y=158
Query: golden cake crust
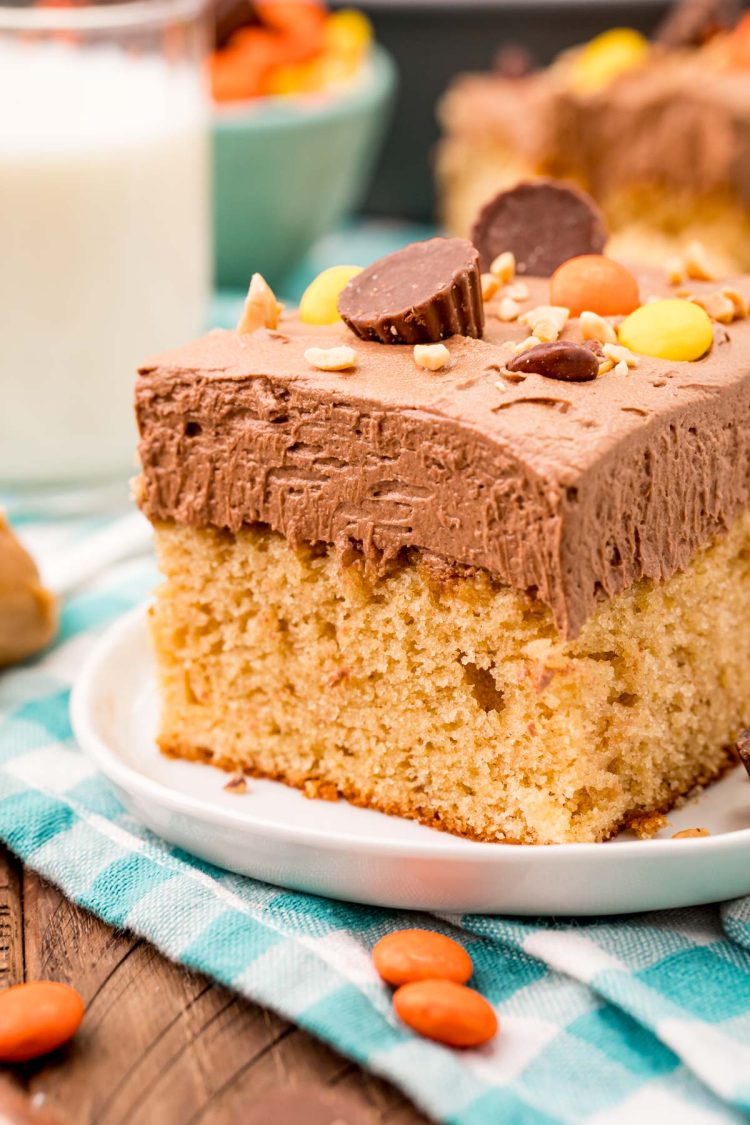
x=645, y=825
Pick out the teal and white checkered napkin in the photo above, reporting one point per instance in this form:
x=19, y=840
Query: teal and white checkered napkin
x=635, y=1019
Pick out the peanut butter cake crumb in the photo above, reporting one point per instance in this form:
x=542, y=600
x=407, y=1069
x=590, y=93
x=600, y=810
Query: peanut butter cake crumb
x=647, y=825
x=236, y=784
x=443, y=685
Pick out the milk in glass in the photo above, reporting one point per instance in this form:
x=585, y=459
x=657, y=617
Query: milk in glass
x=104, y=255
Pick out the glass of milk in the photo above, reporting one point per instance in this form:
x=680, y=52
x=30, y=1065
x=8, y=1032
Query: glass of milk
x=104, y=226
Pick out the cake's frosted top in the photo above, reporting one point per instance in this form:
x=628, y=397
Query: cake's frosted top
x=573, y=489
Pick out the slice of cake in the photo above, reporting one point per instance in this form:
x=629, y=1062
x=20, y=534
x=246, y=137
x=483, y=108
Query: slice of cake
x=658, y=133
x=495, y=581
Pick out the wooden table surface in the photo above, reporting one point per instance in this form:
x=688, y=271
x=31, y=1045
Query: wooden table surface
x=160, y=1045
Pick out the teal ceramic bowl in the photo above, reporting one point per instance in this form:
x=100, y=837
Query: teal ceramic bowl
x=287, y=171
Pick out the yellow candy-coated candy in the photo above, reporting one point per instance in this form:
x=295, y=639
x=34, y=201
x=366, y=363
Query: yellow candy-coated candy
x=348, y=37
x=670, y=329
x=296, y=78
x=348, y=33
x=608, y=55
x=319, y=304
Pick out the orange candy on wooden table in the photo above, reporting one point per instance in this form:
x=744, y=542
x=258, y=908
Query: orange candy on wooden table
x=412, y=955
x=447, y=1012
x=37, y=1017
x=594, y=283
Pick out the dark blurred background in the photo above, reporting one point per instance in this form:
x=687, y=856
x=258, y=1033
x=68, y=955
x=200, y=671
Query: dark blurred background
x=432, y=41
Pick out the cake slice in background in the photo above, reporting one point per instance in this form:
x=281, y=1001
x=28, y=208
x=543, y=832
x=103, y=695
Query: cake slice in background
x=658, y=133
x=497, y=582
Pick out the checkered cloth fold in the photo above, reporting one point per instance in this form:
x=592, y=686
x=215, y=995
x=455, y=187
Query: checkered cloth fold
x=631, y=1019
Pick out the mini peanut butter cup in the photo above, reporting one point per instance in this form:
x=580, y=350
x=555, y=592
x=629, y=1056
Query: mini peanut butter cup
x=418, y=295
x=543, y=223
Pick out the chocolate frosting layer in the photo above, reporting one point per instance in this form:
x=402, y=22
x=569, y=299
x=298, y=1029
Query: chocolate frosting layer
x=572, y=490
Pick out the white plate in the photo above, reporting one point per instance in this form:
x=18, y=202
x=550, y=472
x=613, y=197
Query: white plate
x=275, y=834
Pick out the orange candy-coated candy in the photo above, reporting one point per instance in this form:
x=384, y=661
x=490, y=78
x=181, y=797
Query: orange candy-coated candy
x=409, y=955
x=447, y=1012
x=36, y=1018
x=239, y=70
x=299, y=26
x=596, y=284
x=304, y=19
x=738, y=43
x=292, y=31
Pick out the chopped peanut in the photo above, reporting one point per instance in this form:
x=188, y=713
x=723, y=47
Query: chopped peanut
x=675, y=271
x=595, y=327
x=504, y=267
x=490, y=286
x=717, y=306
x=519, y=291
x=433, y=357
x=508, y=309
x=524, y=345
x=331, y=359
x=618, y=354
x=546, y=331
x=696, y=262
x=739, y=302
x=546, y=321
x=261, y=309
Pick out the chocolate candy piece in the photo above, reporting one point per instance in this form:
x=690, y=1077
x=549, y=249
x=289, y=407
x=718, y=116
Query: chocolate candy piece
x=543, y=223
x=418, y=295
x=560, y=359
x=742, y=746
